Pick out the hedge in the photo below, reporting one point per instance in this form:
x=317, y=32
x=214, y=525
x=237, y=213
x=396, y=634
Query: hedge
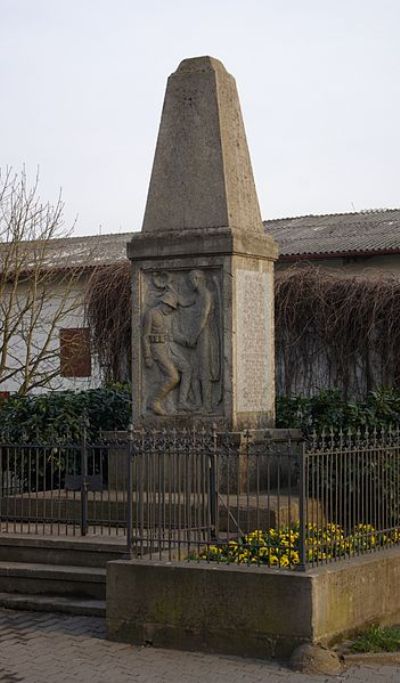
x=60, y=415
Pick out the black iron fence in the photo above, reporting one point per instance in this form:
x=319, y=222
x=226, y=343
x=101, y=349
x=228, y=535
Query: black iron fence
x=252, y=498
x=258, y=499
x=72, y=489
x=355, y=477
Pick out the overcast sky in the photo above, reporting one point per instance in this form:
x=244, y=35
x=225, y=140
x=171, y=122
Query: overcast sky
x=82, y=84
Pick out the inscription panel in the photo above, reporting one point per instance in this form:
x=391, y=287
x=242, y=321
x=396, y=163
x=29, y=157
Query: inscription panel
x=253, y=340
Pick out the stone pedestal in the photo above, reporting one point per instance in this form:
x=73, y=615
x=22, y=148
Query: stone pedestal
x=202, y=267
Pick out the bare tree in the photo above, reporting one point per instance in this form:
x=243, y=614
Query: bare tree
x=40, y=286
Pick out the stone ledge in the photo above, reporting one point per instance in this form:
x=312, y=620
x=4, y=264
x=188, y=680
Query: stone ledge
x=201, y=242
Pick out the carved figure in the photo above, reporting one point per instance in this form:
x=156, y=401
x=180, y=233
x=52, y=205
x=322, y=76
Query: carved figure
x=161, y=279
x=203, y=336
x=159, y=349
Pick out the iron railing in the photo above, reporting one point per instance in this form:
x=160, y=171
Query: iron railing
x=213, y=496
x=65, y=489
x=355, y=477
x=252, y=498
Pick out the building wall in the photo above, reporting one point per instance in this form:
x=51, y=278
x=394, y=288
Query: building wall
x=20, y=346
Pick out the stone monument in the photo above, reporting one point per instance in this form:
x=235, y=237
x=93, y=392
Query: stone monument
x=202, y=267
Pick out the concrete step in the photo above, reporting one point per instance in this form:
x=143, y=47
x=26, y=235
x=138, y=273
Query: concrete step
x=53, y=603
x=59, y=551
x=49, y=579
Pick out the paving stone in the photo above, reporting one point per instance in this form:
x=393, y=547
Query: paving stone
x=43, y=648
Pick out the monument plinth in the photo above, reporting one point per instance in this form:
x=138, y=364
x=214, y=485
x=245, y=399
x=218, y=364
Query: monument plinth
x=202, y=267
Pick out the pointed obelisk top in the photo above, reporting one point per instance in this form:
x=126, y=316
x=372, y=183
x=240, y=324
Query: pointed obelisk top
x=201, y=64
x=202, y=176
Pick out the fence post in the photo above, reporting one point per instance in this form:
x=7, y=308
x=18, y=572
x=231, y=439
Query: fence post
x=302, y=507
x=129, y=521
x=84, y=484
x=214, y=522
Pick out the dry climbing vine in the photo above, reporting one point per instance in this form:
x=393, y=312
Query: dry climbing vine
x=108, y=307
x=336, y=330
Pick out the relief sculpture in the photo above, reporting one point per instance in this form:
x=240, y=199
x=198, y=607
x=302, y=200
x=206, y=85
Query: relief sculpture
x=181, y=343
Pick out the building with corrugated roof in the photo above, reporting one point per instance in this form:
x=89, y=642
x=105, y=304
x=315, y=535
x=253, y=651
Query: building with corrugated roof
x=355, y=241
x=359, y=242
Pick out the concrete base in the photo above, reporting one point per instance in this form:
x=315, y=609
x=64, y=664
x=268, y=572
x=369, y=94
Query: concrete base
x=249, y=611
x=234, y=610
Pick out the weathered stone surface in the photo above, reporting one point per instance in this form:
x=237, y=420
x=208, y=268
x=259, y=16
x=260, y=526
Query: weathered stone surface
x=249, y=610
x=182, y=341
x=234, y=362
x=357, y=593
x=254, y=309
x=211, y=241
x=314, y=659
x=239, y=610
x=202, y=275
x=202, y=161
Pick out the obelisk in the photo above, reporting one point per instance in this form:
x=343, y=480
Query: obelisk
x=202, y=267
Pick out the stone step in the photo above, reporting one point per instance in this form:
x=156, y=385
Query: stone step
x=51, y=579
x=53, y=603
x=59, y=551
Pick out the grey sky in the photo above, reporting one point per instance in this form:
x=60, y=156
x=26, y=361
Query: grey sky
x=83, y=81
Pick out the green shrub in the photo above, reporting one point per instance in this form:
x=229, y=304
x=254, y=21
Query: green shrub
x=59, y=416
x=329, y=409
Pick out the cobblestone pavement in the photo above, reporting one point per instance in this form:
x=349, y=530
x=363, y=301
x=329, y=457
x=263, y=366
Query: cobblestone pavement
x=44, y=648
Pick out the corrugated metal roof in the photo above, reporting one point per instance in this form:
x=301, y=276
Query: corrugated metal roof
x=341, y=233
x=305, y=236
x=92, y=250
x=69, y=252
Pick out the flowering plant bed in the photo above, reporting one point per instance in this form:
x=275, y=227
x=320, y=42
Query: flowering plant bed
x=281, y=547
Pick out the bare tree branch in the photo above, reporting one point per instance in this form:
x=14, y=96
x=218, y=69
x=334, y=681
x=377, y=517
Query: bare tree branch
x=39, y=293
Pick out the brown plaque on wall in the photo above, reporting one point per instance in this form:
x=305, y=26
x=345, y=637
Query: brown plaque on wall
x=75, y=356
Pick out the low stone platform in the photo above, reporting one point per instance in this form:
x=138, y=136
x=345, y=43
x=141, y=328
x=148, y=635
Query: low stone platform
x=247, y=610
x=236, y=513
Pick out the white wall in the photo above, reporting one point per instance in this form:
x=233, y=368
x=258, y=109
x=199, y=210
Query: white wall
x=72, y=318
